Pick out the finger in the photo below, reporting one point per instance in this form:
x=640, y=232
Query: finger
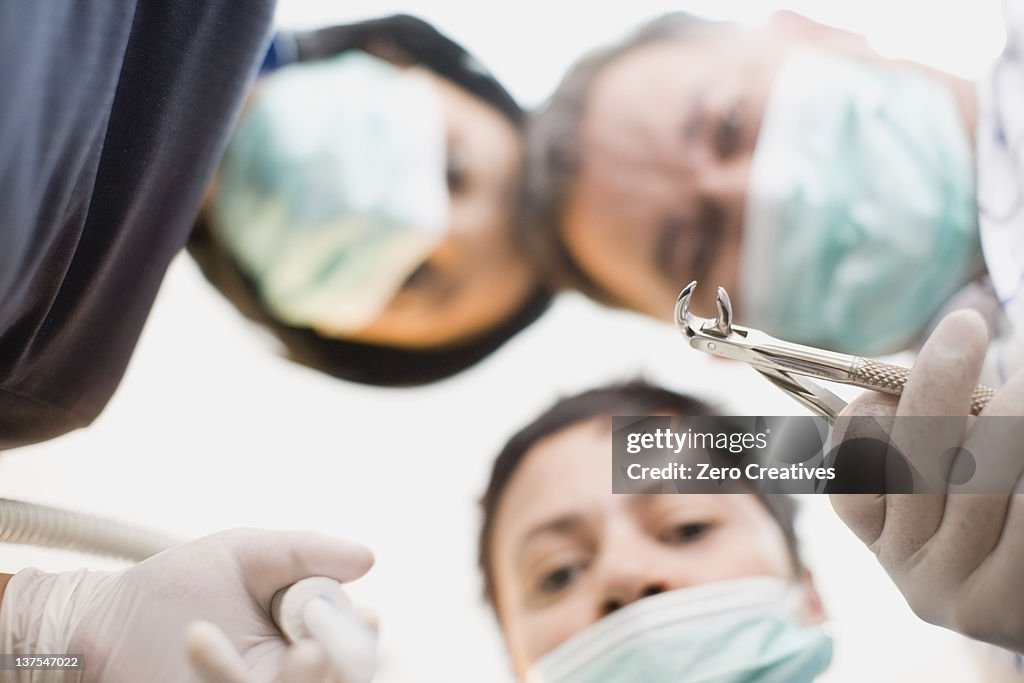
x=858, y=448
x=991, y=606
x=271, y=560
x=940, y=386
x=946, y=371
x=991, y=461
x=305, y=662
x=976, y=521
x=932, y=412
x=212, y=655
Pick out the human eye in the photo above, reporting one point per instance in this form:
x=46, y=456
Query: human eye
x=420, y=278
x=686, y=532
x=456, y=171
x=729, y=131
x=556, y=580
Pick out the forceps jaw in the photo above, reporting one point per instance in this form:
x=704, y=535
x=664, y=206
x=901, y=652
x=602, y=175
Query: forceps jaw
x=692, y=325
x=767, y=355
x=717, y=336
x=684, y=319
x=720, y=337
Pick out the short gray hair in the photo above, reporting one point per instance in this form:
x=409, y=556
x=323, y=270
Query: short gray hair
x=553, y=153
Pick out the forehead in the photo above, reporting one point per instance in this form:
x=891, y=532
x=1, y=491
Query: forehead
x=649, y=86
x=663, y=73
x=567, y=468
x=641, y=96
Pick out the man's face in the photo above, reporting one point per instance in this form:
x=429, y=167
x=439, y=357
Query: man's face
x=667, y=140
x=565, y=552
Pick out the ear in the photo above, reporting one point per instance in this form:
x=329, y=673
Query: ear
x=798, y=28
x=812, y=611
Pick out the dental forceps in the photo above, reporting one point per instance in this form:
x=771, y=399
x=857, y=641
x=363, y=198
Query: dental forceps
x=786, y=365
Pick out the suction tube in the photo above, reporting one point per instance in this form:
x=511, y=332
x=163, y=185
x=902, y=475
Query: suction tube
x=51, y=527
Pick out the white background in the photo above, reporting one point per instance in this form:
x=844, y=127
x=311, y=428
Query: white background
x=210, y=430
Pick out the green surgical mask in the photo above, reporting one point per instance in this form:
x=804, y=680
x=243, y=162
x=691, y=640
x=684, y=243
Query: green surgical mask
x=860, y=217
x=736, y=631
x=332, y=190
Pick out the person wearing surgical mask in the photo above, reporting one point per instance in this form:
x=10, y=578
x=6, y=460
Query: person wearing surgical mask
x=362, y=210
x=592, y=587
x=832, y=192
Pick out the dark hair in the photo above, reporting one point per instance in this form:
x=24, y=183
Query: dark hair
x=553, y=154
x=401, y=38
x=404, y=38
x=631, y=398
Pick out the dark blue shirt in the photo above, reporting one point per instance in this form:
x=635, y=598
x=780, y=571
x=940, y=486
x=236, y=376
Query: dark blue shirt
x=113, y=118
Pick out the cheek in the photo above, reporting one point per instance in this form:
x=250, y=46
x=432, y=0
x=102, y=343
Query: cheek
x=495, y=155
x=615, y=251
x=530, y=633
x=500, y=159
x=542, y=630
x=481, y=214
x=743, y=549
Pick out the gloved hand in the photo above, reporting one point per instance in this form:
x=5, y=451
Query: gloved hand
x=215, y=659
x=130, y=625
x=958, y=558
x=336, y=642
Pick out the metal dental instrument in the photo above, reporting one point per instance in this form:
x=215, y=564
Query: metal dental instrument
x=786, y=364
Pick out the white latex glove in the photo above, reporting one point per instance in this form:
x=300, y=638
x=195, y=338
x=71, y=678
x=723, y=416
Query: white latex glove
x=958, y=558
x=130, y=625
x=215, y=659
x=337, y=642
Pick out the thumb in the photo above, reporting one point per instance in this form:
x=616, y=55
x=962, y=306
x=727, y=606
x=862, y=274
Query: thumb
x=859, y=451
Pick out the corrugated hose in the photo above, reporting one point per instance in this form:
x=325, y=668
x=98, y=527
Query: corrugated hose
x=51, y=527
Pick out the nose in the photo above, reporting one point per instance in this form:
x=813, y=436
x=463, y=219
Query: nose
x=620, y=595
x=627, y=574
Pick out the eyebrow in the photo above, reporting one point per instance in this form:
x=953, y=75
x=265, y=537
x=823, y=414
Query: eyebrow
x=440, y=288
x=673, y=229
x=711, y=226
x=693, y=122
x=562, y=525
x=696, y=115
x=705, y=233
x=664, y=245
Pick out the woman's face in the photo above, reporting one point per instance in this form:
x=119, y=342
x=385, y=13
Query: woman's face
x=475, y=278
x=566, y=552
